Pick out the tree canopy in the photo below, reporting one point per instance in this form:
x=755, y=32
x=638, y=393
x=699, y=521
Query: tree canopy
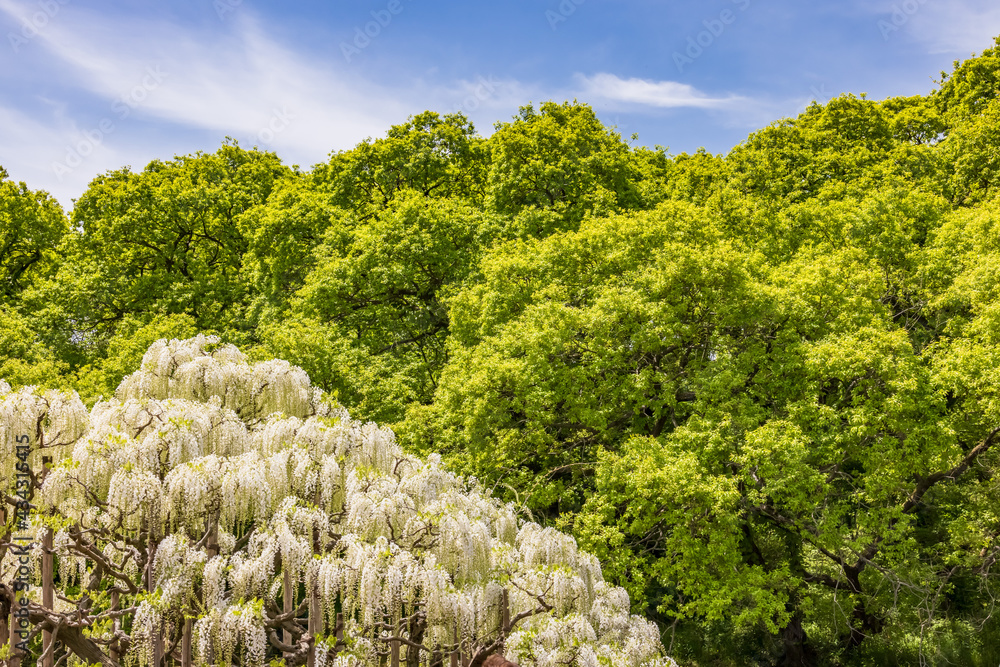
x=759, y=386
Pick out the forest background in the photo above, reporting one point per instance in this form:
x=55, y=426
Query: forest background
x=761, y=387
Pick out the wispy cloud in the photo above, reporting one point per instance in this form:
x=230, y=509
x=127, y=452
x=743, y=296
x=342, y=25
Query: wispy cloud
x=232, y=82
x=662, y=94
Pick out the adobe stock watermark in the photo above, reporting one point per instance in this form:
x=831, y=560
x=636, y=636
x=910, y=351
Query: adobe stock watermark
x=278, y=122
x=901, y=14
x=223, y=7
x=484, y=89
x=123, y=107
x=363, y=35
x=35, y=23
x=565, y=9
x=714, y=27
x=21, y=549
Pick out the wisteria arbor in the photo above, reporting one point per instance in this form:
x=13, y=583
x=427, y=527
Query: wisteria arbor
x=218, y=512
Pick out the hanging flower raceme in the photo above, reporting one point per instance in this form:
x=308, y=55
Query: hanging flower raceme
x=135, y=499
x=177, y=567
x=146, y=626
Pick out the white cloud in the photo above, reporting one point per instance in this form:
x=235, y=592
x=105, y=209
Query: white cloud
x=662, y=94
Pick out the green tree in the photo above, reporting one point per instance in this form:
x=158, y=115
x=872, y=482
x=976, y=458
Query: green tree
x=24, y=358
x=545, y=368
x=777, y=453
x=282, y=236
x=972, y=157
x=561, y=159
x=437, y=156
x=380, y=287
x=31, y=226
x=167, y=240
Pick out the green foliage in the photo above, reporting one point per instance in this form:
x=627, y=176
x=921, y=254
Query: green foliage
x=740, y=439
x=437, y=156
x=382, y=286
x=31, y=226
x=24, y=359
x=281, y=236
x=570, y=343
x=560, y=158
x=972, y=85
x=973, y=159
x=125, y=349
x=168, y=240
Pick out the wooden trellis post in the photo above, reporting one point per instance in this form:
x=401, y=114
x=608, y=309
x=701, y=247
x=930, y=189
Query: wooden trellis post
x=394, y=645
x=48, y=597
x=117, y=624
x=158, y=645
x=315, y=625
x=212, y=549
x=4, y=628
x=14, y=660
x=288, y=602
x=456, y=654
x=504, y=613
x=151, y=545
x=186, y=657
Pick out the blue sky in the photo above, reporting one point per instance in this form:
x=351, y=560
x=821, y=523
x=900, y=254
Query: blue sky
x=92, y=86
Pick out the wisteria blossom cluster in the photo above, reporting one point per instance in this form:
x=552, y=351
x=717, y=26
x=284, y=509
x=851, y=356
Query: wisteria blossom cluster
x=234, y=509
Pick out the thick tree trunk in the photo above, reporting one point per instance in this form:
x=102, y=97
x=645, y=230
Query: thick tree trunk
x=212, y=543
x=115, y=604
x=73, y=639
x=416, y=636
x=797, y=651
